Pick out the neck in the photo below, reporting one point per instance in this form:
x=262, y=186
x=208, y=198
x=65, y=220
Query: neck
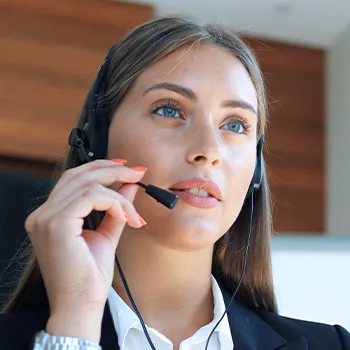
x=171, y=289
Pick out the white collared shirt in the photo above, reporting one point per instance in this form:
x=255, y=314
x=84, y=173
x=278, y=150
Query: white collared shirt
x=131, y=335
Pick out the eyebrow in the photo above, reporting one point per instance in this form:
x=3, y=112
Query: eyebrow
x=189, y=94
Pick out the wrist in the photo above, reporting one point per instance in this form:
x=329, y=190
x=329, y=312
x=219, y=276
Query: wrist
x=83, y=323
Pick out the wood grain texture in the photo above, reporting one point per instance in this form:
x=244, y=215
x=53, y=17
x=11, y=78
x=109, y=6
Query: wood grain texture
x=50, y=54
x=295, y=148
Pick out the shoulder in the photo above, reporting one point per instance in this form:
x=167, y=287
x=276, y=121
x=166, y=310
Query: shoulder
x=318, y=335
x=18, y=329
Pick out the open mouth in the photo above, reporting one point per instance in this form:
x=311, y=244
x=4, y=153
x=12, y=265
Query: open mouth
x=206, y=189
x=196, y=191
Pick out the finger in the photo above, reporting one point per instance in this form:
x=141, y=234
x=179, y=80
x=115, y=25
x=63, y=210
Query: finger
x=101, y=199
x=129, y=191
x=104, y=176
x=107, y=176
x=69, y=174
x=111, y=227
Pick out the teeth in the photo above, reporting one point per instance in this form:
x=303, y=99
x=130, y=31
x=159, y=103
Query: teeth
x=198, y=192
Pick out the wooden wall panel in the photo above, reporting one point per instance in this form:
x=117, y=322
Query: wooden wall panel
x=295, y=79
x=50, y=54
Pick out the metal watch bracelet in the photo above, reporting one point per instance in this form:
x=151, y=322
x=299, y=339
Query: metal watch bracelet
x=45, y=341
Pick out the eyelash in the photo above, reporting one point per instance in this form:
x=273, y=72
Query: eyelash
x=168, y=104
x=242, y=121
x=172, y=104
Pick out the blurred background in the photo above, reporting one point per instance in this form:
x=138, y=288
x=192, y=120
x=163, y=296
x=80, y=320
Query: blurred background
x=51, y=50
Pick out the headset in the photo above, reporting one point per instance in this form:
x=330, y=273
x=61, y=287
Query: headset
x=90, y=143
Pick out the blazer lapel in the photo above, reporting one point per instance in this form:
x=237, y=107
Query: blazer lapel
x=298, y=344
x=251, y=332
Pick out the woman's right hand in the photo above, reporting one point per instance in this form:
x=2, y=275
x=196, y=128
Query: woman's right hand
x=78, y=265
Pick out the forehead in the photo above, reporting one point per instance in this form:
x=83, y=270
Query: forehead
x=206, y=69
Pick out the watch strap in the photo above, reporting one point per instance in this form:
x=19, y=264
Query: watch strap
x=45, y=341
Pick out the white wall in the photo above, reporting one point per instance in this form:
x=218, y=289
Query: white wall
x=312, y=278
x=312, y=274
x=338, y=136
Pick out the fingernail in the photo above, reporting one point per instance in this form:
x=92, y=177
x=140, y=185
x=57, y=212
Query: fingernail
x=138, y=168
x=120, y=161
x=143, y=222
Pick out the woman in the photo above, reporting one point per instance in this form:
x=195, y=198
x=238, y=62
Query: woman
x=184, y=105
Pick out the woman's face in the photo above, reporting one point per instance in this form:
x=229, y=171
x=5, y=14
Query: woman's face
x=190, y=115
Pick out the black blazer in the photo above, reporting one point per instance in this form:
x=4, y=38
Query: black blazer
x=251, y=329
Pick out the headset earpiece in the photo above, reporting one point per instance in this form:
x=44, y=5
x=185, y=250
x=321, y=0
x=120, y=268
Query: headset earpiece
x=91, y=141
x=79, y=140
x=258, y=172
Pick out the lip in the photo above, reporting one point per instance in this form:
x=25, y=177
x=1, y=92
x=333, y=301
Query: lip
x=198, y=201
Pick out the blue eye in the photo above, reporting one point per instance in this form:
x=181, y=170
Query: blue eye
x=236, y=127
x=168, y=112
x=168, y=109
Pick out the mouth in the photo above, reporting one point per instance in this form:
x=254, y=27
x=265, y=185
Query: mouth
x=196, y=191
x=198, y=187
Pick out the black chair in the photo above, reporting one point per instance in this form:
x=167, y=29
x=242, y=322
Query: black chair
x=20, y=194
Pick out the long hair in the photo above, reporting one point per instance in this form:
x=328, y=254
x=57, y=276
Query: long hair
x=142, y=47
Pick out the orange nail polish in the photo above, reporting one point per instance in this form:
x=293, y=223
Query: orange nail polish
x=138, y=168
x=143, y=222
x=121, y=161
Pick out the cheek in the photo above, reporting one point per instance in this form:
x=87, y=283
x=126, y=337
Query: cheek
x=242, y=171
x=124, y=139
x=139, y=144
x=131, y=140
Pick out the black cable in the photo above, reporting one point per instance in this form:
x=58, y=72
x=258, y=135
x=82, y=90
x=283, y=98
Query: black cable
x=134, y=304
x=242, y=274
x=228, y=306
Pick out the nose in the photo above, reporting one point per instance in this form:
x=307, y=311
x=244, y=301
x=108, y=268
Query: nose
x=205, y=149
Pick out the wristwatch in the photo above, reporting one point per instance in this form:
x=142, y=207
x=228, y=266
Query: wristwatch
x=45, y=341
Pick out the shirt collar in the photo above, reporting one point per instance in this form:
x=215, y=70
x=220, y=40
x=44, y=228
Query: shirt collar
x=219, y=308
x=124, y=317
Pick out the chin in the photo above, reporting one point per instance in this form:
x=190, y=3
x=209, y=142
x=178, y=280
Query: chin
x=186, y=235
x=184, y=228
